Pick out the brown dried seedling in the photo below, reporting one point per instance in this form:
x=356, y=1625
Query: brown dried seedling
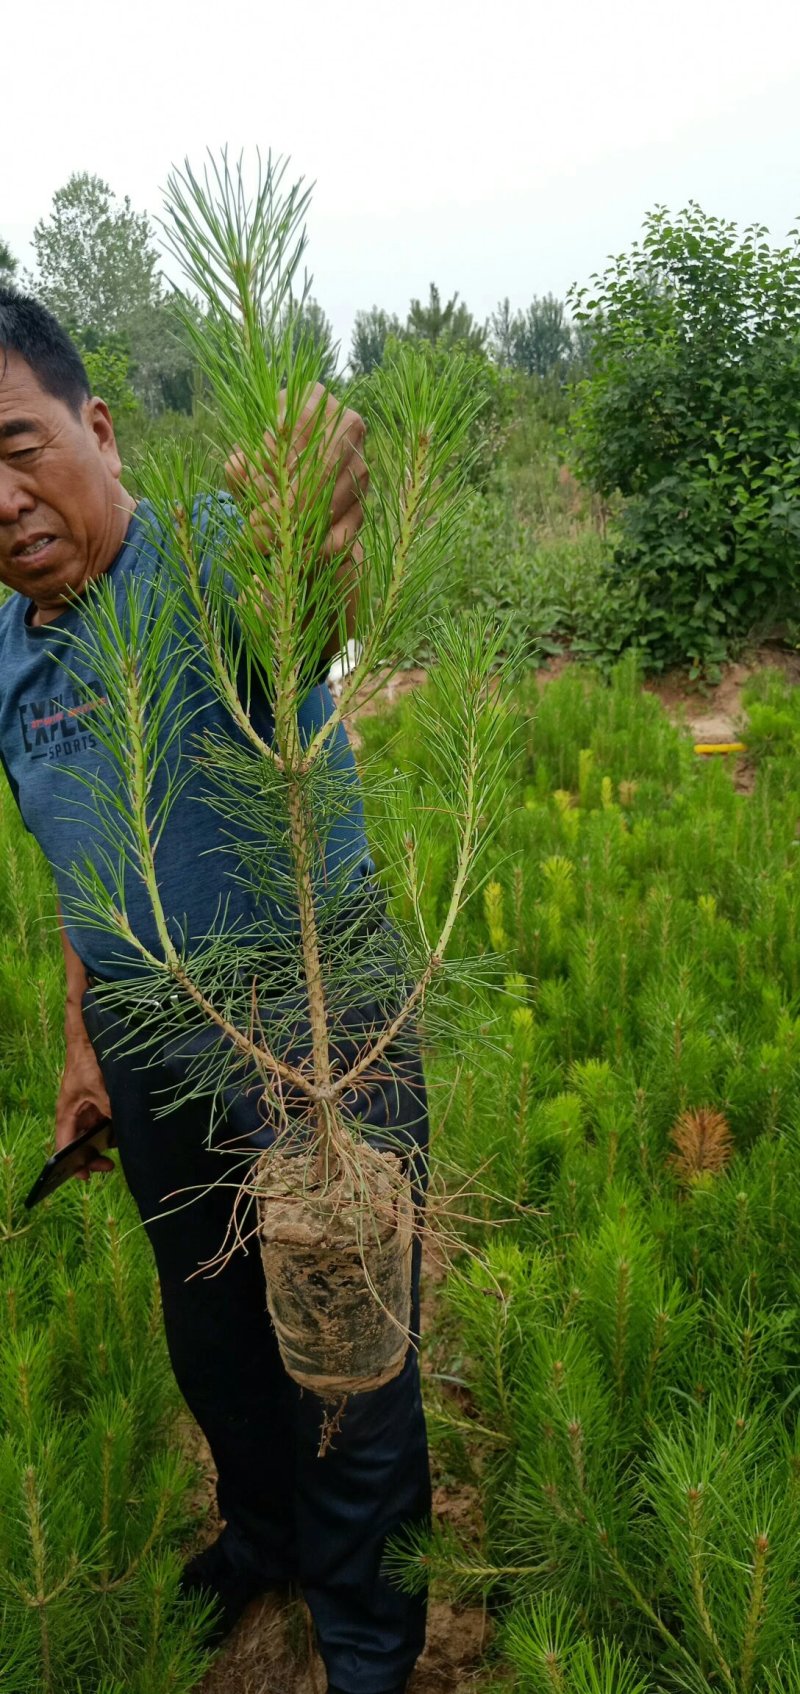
x=703, y=1143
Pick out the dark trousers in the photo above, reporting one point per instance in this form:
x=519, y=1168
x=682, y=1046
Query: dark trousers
x=322, y=1522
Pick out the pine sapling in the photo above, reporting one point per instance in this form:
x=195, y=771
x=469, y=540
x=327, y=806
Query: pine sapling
x=334, y=1211
x=703, y=1144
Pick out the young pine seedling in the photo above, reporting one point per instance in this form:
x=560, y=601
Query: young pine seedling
x=300, y=1021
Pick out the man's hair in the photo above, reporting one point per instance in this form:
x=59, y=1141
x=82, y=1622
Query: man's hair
x=27, y=328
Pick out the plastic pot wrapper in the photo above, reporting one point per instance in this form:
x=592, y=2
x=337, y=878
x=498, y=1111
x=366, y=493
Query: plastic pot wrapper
x=338, y=1271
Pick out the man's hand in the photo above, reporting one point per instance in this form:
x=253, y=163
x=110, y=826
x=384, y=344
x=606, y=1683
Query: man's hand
x=341, y=458
x=82, y=1103
x=82, y=1099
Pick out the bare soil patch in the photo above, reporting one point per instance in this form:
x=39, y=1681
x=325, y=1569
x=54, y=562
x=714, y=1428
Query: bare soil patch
x=709, y=712
x=272, y=1650
x=715, y=714
x=701, y=703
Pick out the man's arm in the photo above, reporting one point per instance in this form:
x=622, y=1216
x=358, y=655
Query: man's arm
x=82, y=1099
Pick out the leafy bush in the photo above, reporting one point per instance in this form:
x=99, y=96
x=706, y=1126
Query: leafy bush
x=772, y=704
x=138, y=435
x=523, y=556
x=489, y=393
x=690, y=411
x=629, y=1338
x=107, y=366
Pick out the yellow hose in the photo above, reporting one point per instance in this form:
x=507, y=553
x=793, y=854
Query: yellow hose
x=720, y=747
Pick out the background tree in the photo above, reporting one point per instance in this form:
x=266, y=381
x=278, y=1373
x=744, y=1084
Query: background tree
x=448, y=325
x=371, y=332
x=96, y=262
x=310, y=321
x=502, y=333
x=542, y=342
x=690, y=410
x=97, y=269
x=443, y=326
x=8, y=265
x=539, y=341
x=163, y=374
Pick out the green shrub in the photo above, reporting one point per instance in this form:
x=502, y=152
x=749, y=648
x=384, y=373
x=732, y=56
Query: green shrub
x=552, y=580
x=107, y=366
x=690, y=411
x=772, y=704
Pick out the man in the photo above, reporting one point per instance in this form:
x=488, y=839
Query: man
x=66, y=520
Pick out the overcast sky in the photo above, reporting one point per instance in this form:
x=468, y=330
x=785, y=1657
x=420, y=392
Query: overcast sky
x=501, y=148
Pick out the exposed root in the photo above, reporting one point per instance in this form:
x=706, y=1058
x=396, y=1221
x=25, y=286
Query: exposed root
x=331, y=1425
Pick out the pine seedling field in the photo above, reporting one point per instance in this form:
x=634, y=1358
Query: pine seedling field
x=94, y=1485
x=626, y=1321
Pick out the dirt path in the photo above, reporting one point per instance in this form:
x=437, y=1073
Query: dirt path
x=716, y=714
x=710, y=714
x=272, y=1650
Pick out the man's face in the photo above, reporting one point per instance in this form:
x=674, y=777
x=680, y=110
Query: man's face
x=63, y=511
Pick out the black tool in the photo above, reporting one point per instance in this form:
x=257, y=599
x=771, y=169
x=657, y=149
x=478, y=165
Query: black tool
x=70, y=1159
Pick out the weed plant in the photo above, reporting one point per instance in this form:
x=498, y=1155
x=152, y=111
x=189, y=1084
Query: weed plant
x=546, y=584
x=536, y=550
x=95, y=1491
x=630, y=1335
x=773, y=718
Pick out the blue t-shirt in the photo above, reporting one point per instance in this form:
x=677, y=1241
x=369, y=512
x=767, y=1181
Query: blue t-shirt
x=46, y=734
